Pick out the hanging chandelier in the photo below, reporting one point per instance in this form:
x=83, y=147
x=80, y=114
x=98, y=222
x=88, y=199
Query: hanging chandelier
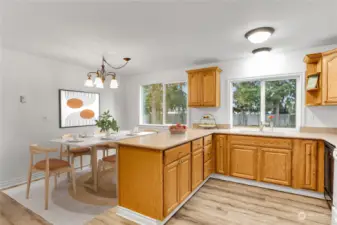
x=102, y=74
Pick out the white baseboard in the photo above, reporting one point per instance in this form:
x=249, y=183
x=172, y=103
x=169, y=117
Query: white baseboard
x=334, y=216
x=275, y=187
x=145, y=220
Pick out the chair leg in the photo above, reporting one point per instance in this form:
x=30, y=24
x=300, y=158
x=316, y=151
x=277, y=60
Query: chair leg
x=100, y=166
x=81, y=162
x=46, y=193
x=29, y=181
x=55, y=179
x=73, y=177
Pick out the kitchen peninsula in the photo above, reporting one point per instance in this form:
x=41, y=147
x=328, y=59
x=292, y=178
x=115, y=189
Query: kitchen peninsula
x=158, y=173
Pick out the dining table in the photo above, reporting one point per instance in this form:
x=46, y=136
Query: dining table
x=91, y=142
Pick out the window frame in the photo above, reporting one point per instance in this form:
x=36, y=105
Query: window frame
x=263, y=79
x=141, y=105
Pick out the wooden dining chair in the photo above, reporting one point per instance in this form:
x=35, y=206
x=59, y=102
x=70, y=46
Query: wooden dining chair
x=74, y=152
x=108, y=160
x=50, y=166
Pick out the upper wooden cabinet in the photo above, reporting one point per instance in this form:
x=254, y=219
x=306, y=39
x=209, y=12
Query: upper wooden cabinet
x=323, y=65
x=329, y=76
x=204, y=87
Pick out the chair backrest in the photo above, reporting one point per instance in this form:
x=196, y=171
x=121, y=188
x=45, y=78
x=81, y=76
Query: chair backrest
x=35, y=149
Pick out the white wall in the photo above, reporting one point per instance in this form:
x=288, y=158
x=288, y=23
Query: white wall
x=37, y=121
x=276, y=64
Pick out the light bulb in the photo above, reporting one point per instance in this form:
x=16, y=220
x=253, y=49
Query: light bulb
x=114, y=84
x=99, y=82
x=88, y=83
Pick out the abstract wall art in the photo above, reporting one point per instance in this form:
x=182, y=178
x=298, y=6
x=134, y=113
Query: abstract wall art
x=77, y=108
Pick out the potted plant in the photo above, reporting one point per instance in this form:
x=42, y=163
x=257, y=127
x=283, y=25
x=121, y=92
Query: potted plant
x=107, y=123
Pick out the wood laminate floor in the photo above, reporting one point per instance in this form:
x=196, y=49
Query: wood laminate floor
x=220, y=202
x=13, y=213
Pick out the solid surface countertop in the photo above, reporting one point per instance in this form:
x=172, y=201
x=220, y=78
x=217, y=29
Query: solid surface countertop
x=166, y=140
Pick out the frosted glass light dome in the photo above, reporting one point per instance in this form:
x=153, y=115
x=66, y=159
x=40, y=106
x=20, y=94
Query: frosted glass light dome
x=259, y=35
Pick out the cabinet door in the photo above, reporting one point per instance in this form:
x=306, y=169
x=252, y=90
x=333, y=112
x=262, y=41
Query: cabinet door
x=275, y=166
x=197, y=168
x=208, y=88
x=243, y=160
x=220, y=153
x=309, y=150
x=329, y=73
x=208, y=168
x=171, y=197
x=184, y=177
x=194, y=89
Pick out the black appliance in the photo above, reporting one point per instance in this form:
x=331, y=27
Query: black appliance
x=328, y=172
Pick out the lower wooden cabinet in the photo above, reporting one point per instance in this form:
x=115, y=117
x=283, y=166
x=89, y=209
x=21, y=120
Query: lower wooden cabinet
x=197, y=168
x=220, y=154
x=243, y=161
x=184, y=177
x=275, y=166
x=171, y=196
x=208, y=168
x=308, y=167
x=177, y=183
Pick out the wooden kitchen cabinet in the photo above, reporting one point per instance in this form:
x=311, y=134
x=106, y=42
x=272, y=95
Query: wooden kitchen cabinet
x=306, y=168
x=208, y=168
x=324, y=66
x=197, y=168
x=220, y=154
x=329, y=76
x=184, y=177
x=194, y=89
x=243, y=161
x=171, y=196
x=275, y=166
x=204, y=87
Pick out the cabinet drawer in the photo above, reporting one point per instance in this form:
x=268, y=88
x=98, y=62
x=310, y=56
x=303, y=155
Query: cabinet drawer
x=197, y=144
x=208, y=153
x=208, y=140
x=261, y=141
x=176, y=153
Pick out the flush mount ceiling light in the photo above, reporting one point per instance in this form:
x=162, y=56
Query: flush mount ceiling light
x=259, y=35
x=102, y=74
x=261, y=51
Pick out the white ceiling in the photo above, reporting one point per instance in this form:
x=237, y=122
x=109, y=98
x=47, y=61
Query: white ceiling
x=164, y=34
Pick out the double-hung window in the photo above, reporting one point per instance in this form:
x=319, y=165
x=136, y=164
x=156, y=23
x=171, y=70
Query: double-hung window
x=163, y=104
x=268, y=101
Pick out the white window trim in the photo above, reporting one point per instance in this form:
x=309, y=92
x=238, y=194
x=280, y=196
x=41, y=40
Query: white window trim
x=299, y=86
x=164, y=105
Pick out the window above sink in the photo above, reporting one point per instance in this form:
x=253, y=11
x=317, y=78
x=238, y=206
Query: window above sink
x=267, y=100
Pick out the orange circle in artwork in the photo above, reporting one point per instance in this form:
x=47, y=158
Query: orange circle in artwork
x=75, y=103
x=87, y=114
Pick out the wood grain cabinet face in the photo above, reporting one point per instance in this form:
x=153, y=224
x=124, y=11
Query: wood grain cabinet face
x=329, y=72
x=275, y=166
x=171, y=196
x=208, y=168
x=204, y=87
x=208, y=88
x=243, y=160
x=309, y=151
x=194, y=89
x=197, y=168
x=220, y=153
x=184, y=177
